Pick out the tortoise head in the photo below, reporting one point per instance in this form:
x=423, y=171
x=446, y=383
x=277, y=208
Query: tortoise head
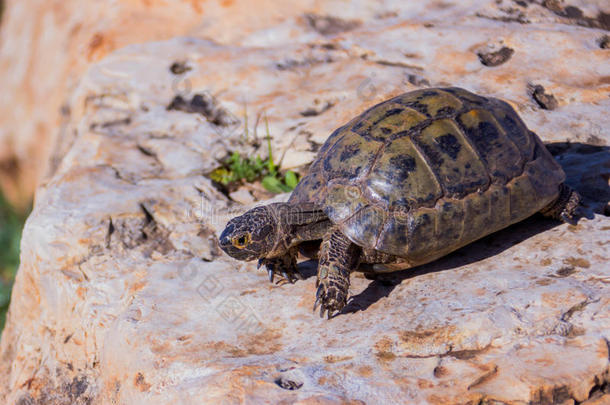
x=250, y=236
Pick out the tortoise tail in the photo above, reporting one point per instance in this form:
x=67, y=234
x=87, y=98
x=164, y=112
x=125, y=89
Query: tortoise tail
x=565, y=206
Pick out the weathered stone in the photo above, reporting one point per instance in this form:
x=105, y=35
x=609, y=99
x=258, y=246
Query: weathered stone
x=124, y=297
x=495, y=58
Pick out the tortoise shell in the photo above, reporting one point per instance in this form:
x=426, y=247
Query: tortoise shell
x=424, y=173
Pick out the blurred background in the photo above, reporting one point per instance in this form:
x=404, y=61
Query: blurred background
x=11, y=224
x=12, y=218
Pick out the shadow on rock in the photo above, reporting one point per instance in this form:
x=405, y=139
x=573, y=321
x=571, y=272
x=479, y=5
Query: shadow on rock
x=492, y=245
x=587, y=169
x=308, y=268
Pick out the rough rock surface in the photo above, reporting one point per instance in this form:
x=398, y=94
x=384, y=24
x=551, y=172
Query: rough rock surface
x=124, y=298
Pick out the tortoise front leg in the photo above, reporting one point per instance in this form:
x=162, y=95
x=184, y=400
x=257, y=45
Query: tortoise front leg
x=338, y=257
x=284, y=265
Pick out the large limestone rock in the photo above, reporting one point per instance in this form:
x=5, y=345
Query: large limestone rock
x=124, y=298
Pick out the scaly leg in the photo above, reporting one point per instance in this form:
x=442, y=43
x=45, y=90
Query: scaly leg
x=285, y=266
x=564, y=207
x=298, y=223
x=338, y=257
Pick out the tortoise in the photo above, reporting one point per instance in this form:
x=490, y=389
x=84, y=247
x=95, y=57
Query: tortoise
x=406, y=182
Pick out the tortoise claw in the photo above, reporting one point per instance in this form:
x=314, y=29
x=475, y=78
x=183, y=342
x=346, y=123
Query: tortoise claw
x=315, y=304
x=318, y=301
x=281, y=282
x=567, y=218
x=284, y=266
x=286, y=278
x=330, y=300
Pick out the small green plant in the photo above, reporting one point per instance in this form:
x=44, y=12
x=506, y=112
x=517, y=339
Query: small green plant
x=11, y=224
x=238, y=169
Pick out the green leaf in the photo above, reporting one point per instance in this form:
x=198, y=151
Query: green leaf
x=259, y=163
x=291, y=179
x=251, y=173
x=271, y=165
x=273, y=185
x=234, y=159
x=220, y=175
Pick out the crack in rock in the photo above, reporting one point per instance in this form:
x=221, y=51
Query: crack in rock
x=206, y=105
x=329, y=25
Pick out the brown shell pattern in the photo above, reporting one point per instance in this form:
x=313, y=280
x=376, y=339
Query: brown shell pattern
x=429, y=171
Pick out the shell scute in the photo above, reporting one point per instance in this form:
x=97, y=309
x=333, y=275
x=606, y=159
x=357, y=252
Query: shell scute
x=449, y=144
x=522, y=197
x=401, y=171
x=451, y=215
x=467, y=97
x=455, y=162
x=350, y=157
x=421, y=232
x=544, y=172
x=514, y=128
x=395, y=235
x=432, y=103
x=343, y=200
x=501, y=156
x=365, y=225
x=394, y=118
x=477, y=214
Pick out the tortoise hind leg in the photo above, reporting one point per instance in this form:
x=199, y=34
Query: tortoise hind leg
x=338, y=257
x=564, y=207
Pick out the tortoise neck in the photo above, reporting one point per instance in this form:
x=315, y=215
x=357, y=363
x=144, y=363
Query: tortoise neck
x=292, y=214
x=294, y=224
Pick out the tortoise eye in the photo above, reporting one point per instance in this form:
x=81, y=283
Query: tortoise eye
x=242, y=241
